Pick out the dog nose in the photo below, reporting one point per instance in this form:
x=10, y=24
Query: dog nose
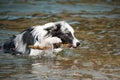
x=77, y=44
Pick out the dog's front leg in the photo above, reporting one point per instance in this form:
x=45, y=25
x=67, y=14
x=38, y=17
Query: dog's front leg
x=46, y=42
x=36, y=52
x=53, y=40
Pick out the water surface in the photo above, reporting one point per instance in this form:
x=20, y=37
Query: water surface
x=96, y=24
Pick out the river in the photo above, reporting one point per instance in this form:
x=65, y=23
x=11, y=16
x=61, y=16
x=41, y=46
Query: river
x=96, y=24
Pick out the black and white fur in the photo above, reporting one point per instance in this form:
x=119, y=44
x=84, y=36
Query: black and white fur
x=48, y=34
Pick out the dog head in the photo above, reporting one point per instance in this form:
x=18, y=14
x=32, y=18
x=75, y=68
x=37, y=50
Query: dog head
x=63, y=31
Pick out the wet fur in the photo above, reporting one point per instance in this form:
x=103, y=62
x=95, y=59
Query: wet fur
x=43, y=35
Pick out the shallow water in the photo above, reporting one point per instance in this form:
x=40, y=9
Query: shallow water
x=96, y=24
x=16, y=9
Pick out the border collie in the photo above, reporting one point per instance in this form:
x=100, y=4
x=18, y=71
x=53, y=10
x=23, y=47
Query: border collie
x=47, y=34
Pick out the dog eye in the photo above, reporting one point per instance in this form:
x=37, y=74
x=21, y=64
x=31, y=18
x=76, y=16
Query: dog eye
x=66, y=34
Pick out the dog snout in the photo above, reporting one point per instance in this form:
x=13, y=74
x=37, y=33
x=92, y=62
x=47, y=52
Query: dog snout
x=77, y=44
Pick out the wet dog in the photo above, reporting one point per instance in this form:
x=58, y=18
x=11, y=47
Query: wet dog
x=47, y=34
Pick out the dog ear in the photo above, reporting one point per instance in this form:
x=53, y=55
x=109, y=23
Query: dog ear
x=57, y=27
x=53, y=29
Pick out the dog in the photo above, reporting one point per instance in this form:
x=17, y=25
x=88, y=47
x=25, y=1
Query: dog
x=42, y=35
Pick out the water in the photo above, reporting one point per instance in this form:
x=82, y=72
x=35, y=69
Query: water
x=15, y=9
x=96, y=25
